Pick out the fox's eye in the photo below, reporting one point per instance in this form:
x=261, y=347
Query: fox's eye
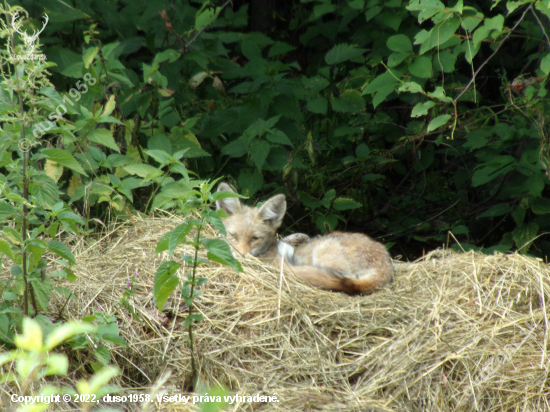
x=255, y=238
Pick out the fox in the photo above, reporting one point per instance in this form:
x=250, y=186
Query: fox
x=347, y=262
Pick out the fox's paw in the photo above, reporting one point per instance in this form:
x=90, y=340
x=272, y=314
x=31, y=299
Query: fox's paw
x=296, y=239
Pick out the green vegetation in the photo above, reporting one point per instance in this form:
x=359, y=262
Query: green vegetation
x=419, y=118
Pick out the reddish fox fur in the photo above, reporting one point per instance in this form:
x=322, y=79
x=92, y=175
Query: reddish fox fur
x=345, y=262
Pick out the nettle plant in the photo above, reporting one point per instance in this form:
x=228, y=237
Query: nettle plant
x=32, y=213
x=198, y=207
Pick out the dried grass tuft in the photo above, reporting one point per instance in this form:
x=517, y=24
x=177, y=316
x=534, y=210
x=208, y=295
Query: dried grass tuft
x=454, y=332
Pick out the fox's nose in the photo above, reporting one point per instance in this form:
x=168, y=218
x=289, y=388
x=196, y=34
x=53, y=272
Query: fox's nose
x=241, y=248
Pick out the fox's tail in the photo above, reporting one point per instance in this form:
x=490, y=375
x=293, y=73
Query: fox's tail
x=367, y=281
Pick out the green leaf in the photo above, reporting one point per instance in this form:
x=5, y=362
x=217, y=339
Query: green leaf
x=277, y=136
x=480, y=34
x=178, y=236
x=343, y=52
x=61, y=11
x=545, y=64
x=250, y=180
x=318, y=106
x=169, y=55
x=212, y=217
x=421, y=109
x=399, y=43
x=42, y=291
x=427, y=8
x=259, y=151
x=6, y=336
x=497, y=210
x=519, y=215
x=280, y=48
x=470, y=23
x=142, y=170
x=7, y=211
x=103, y=354
x=372, y=12
x=103, y=137
x=160, y=156
x=71, y=216
x=357, y=4
x=440, y=34
x=12, y=235
x=438, y=122
x=61, y=250
x=326, y=223
x=392, y=20
x=421, y=67
x=206, y=17
x=163, y=243
x=540, y=206
x=64, y=158
x=411, y=87
x=5, y=248
x=460, y=230
x=524, y=235
x=310, y=202
x=471, y=52
x=321, y=10
x=315, y=84
x=350, y=101
x=477, y=139
x=236, y=148
x=165, y=282
x=383, y=85
x=89, y=56
x=31, y=338
x=495, y=23
x=107, y=110
x=44, y=189
x=219, y=251
x=380, y=83
x=488, y=172
x=445, y=61
x=362, y=150
x=396, y=58
x=251, y=50
x=342, y=203
x=535, y=184
x=439, y=94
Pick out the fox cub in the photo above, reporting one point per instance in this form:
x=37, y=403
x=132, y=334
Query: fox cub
x=346, y=262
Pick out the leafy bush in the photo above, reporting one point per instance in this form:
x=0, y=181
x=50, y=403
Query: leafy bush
x=429, y=117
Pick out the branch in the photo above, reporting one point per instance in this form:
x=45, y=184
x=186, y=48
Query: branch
x=194, y=39
x=541, y=27
x=185, y=44
x=473, y=79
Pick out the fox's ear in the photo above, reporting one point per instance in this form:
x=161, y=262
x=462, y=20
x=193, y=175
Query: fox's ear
x=273, y=211
x=231, y=205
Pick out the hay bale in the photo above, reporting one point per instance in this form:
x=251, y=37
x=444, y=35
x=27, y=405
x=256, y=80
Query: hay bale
x=454, y=332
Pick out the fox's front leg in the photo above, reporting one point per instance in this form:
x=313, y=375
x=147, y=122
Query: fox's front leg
x=286, y=251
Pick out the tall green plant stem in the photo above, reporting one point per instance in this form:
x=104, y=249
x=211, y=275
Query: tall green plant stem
x=191, y=293
x=26, y=197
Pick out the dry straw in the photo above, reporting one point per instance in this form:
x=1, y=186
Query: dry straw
x=454, y=332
